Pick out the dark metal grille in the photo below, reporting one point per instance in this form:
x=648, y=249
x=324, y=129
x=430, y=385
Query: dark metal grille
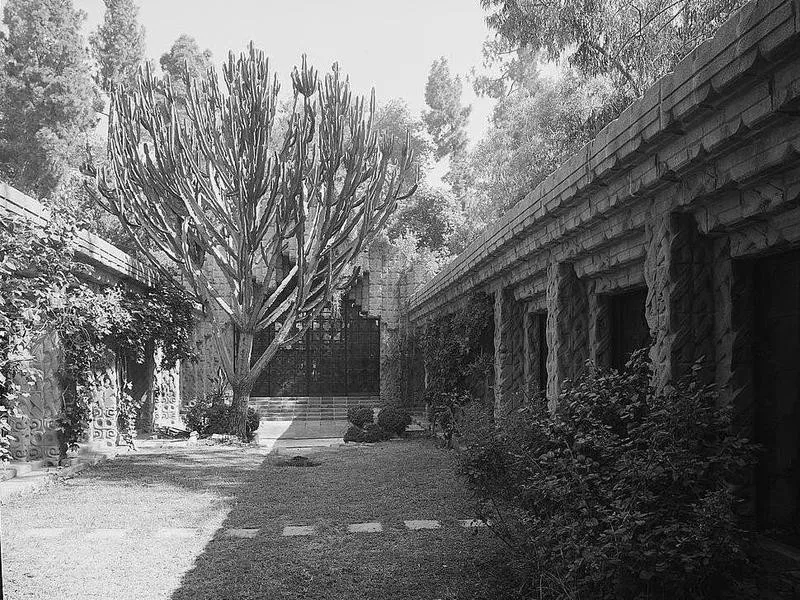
x=338, y=356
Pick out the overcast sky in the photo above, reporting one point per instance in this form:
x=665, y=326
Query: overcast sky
x=388, y=45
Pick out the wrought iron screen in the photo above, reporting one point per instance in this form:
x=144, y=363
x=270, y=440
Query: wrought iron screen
x=338, y=356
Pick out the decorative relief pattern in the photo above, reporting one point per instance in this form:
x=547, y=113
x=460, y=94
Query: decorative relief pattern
x=34, y=429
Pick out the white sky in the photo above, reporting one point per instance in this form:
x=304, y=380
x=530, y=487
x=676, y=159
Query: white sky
x=388, y=45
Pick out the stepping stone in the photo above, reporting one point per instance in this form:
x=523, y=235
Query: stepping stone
x=45, y=532
x=246, y=533
x=292, y=530
x=422, y=524
x=472, y=523
x=106, y=534
x=176, y=532
x=365, y=528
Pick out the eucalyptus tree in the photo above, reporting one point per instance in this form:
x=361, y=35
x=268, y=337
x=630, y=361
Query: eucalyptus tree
x=201, y=187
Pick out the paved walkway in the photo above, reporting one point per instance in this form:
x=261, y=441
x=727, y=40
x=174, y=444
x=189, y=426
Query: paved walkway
x=205, y=522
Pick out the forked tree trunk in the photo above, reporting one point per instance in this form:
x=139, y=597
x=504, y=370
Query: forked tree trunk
x=241, y=402
x=243, y=383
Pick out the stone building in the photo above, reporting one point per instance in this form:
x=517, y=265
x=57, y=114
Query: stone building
x=34, y=432
x=677, y=225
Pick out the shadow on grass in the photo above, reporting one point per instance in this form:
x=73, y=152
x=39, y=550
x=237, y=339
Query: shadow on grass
x=388, y=483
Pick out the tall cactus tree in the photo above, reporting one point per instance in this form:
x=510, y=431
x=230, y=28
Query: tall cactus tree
x=208, y=187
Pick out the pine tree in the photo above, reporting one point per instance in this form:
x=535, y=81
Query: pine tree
x=446, y=119
x=48, y=100
x=184, y=57
x=118, y=44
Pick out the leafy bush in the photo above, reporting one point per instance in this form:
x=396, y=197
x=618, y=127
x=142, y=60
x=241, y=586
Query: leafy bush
x=624, y=492
x=393, y=421
x=211, y=415
x=360, y=416
x=370, y=434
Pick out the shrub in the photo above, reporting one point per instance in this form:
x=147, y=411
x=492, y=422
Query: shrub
x=393, y=421
x=370, y=434
x=211, y=415
x=624, y=492
x=360, y=416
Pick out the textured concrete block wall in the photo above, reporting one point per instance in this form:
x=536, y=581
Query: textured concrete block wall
x=700, y=172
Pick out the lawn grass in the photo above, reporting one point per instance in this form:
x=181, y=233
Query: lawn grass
x=214, y=489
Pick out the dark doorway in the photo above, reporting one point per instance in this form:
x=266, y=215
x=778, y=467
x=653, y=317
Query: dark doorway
x=338, y=356
x=629, y=330
x=777, y=379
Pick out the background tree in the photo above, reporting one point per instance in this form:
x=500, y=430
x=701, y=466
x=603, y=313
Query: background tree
x=184, y=56
x=394, y=119
x=48, y=100
x=632, y=42
x=207, y=187
x=536, y=124
x=118, y=44
x=446, y=118
x=434, y=218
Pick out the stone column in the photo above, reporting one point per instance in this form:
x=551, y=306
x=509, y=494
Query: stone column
x=509, y=352
x=599, y=327
x=680, y=296
x=34, y=430
x=567, y=327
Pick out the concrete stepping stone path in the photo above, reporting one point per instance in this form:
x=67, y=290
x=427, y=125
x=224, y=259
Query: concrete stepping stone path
x=176, y=533
x=293, y=530
x=179, y=533
x=365, y=528
x=422, y=524
x=245, y=533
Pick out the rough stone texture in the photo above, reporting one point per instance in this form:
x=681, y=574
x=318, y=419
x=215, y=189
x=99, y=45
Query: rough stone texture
x=509, y=340
x=599, y=326
x=535, y=380
x=680, y=299
x=567, y=327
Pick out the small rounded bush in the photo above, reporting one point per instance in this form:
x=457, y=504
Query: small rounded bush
x=370, y=434
x=360, y=415
x=393, y=421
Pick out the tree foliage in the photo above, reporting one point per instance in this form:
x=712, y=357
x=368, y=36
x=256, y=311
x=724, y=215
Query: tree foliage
x=632, y=42
x=394, y=119
x=207, y=188
x=118, y=44
x=184, y=57
x=435, y=219
x=535, y=127
x=48, y=99
x=446, y=118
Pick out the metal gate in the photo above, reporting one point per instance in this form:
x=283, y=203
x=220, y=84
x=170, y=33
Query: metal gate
x=338, y=356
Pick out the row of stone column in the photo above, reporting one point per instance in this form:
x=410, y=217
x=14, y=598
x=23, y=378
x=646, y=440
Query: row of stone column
x=679, y=274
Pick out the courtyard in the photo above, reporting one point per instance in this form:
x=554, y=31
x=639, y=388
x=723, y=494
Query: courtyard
x=165, y=523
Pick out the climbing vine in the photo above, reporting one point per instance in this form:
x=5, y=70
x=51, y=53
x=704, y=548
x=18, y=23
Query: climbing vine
x=99, y=326
x=42, y=292
x=458, y=355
